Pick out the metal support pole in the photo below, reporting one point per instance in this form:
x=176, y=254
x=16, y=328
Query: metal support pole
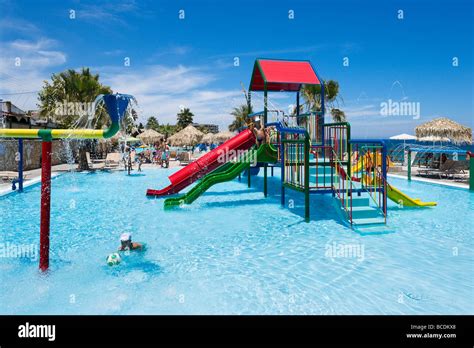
x=282, y=166
x=384, y=175
x=265, y=120
x=409, y=165
x=306, y=179
x=265, y=185
x=20, y=165
x=45, y=204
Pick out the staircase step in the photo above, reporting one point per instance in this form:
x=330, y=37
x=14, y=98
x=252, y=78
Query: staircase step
x=369, y=221
x=364, y=212
x=360, y=201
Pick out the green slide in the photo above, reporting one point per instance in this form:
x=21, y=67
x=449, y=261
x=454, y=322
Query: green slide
x=265, y=153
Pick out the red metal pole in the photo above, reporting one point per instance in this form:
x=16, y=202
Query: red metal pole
x=45, y=204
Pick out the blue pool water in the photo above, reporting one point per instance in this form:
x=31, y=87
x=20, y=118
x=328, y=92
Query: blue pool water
x=233, y=252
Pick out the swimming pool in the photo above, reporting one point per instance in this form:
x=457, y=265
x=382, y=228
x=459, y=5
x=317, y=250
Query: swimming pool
x=233, y=252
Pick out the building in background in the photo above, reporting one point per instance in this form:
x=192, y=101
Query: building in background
x=207, y=127
x=12, y=116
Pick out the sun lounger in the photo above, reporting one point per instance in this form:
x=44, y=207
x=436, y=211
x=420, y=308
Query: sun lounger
x=93, y=165
x=446, y=169
x=89, y=162
x=112, y=160
x=10, y=176
x=184, y=158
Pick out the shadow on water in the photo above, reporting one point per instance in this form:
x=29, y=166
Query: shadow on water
x=227, y=193
x=131, y=264
x=239, y=202
x=321, y=206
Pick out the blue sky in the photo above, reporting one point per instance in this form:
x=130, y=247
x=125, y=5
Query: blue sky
x=189, y=62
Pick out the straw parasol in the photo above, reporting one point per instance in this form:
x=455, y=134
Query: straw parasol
x=188, y=136
x=445, y=128
x=208, y=138
x=150, y=136
x=223, y=136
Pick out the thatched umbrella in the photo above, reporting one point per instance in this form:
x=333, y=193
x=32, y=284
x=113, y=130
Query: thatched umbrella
x=208, y=138
x=445, y=128
x=223, y=136
x=188, y=136
x=150, y=136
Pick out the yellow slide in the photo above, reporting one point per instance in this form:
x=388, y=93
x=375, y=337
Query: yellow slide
x=399, y=197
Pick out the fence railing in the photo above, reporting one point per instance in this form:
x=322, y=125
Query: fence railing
x=370, y=158
x=321, y=166
x=342, y=185
x=337, y=136
x=294, y=152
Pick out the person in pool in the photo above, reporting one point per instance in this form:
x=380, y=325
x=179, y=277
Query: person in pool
x=126, y=243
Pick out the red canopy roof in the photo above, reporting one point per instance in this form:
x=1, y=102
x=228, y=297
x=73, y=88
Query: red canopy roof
x=282, y=75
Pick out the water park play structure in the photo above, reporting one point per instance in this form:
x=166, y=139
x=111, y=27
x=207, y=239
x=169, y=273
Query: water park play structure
x=116, y=105
x=314, y=157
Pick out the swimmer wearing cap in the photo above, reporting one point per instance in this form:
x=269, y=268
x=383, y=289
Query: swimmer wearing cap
x=126, y=243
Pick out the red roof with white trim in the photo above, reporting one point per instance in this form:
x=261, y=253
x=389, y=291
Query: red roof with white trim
x=282, y=75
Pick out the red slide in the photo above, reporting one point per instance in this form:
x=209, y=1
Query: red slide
x=206, y=164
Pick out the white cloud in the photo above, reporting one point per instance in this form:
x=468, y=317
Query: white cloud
x=161, y=90
x=36, y=58
x=18, y=26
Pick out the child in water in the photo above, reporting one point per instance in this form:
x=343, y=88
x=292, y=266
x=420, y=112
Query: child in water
x=126, y=243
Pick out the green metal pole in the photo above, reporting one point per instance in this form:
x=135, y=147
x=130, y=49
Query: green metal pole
x=249, y=101
x=349, y=150
x=409, y=165
x=265, y=113
x=306, y=179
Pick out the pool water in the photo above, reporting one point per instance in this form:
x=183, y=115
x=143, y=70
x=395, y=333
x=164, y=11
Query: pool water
x=233, y=252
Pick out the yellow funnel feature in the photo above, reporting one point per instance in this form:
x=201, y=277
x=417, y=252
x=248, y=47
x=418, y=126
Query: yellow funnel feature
x=369, y=158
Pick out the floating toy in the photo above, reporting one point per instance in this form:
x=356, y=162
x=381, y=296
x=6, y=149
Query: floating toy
x=113, y=259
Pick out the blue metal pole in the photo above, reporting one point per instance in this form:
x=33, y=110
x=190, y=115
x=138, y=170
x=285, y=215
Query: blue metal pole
x=282, y=166
x=20, y=166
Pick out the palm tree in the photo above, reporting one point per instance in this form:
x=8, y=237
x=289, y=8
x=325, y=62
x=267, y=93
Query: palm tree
x=240, y=114
x=152, y=123
x=167, y=129
x=185, y=118
x=338, y=115
x=72, y=86
x=312, y=97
